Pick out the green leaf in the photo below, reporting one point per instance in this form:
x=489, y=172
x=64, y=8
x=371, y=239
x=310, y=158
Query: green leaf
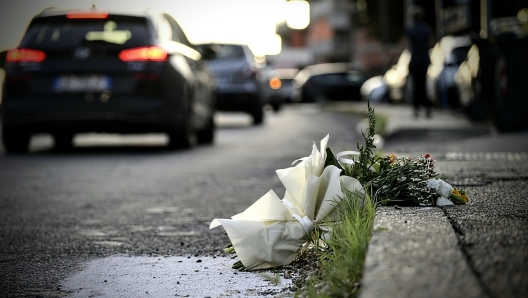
x=331, y=159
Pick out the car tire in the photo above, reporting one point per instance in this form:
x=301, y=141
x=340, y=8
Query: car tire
x=63, y=141
x=206, y=135
x=15, y=141
x=258, y=115
x=183, y=137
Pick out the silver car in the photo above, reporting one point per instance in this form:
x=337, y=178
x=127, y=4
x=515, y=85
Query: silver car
x=239, y=86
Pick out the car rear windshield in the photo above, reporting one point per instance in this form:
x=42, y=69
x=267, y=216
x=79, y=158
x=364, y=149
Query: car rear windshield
x=112, y=33
x=223, y=51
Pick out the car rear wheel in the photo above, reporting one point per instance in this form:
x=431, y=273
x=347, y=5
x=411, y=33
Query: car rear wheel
x=183, y=137
x=206, y=136
x=258, y=115
x=15, y=141
x=63, y=141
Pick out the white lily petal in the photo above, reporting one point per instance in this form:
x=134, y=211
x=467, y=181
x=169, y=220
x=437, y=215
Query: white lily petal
x=350, y=156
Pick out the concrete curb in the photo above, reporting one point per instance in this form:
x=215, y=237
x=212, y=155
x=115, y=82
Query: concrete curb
x=414, y=251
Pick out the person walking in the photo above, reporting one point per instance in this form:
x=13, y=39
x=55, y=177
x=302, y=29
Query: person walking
x=419, y=39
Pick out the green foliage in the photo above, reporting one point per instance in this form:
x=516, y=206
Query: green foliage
x=388, y=179
x=363, y=169
x=404, y=180
x=341, y=263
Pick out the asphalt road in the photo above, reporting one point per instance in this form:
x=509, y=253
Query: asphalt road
x=112, y=195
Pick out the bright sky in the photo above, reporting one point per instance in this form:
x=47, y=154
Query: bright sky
x=248, y=21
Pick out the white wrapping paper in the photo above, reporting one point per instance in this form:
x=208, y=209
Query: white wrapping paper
x=271, y=232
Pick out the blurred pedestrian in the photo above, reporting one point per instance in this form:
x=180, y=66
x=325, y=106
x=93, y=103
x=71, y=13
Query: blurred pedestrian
x=419, y=39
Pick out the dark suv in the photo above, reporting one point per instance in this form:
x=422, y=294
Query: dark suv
x=239, y=78
x=99, y=71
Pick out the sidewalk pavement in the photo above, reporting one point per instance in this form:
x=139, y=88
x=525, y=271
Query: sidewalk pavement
x=474, y=250
x=400, y=118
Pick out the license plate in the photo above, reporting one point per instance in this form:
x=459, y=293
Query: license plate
x=75, y=83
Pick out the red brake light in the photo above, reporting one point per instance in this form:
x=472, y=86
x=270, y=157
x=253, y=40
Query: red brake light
x=87, y=14
x=143, y=54
x=25, y=55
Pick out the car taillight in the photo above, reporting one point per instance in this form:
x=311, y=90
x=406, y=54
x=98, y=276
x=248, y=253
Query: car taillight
x=87, y=14
x=143, y=54
x=25, y=55
x=275, y=83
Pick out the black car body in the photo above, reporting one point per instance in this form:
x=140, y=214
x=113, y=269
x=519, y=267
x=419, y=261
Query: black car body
x=329, y=81
x=238, y=74
x=99, y=71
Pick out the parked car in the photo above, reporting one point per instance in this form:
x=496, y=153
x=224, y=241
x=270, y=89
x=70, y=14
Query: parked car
x=238, y=76
x=279, y=85
x=466, y=78
x=394, y=86
x=375, y=89
x=491, y=81
x=510, y=34
x=398, y=79
x=106, y=71
x=446, y=57
x=328, y=81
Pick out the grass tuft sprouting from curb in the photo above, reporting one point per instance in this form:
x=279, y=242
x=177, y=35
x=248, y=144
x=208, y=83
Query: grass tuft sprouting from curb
x=341, y=262
x=341, y=259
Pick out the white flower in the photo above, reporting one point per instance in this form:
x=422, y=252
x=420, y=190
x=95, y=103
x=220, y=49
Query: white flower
x=443, y=189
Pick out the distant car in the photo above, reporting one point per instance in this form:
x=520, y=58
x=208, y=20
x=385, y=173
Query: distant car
x=375, y=90
x=398, y=80
x=446, y=57
x=466, y=78
x=279, y=86
x=329, y=81
x=238, y=77
x=394, y=86
x=102, y=71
